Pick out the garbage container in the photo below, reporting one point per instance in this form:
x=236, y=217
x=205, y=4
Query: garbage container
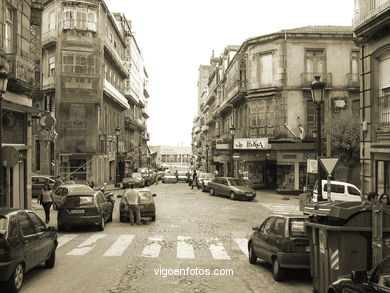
x=340, y=236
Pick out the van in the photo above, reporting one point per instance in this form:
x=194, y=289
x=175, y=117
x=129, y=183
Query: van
x=339, y=191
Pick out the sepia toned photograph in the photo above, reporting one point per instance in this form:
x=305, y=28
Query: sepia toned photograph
x=183, y=146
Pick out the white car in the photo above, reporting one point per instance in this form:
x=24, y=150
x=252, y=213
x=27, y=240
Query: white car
x=339, y=191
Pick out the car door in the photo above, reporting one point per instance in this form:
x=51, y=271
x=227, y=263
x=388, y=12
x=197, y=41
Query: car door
x=261, y=237
x=338, y=192
x=224, y=187
x=276, y=237
x=45, y=244
x=103, y=205
x=14, y=239
x=30, y=240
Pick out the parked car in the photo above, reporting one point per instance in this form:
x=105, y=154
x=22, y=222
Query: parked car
x=282, y=241
x=147, y=206
x=204, y=179
x=37, y=182
x=25, y=242
x=339, y=191
x=66, y=189
x=232, y=187
x=376, y=280
x=89, y=208
x=182, y=176
x=169, y=178
x=136, y=178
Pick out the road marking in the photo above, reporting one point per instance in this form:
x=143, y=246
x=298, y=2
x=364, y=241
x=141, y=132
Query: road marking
x=282, y=208
x=153, y=247
x=217, y=250
x=243, y=244
x=184, y=249
x=120, y=245
x=65, y=239
x=87, y=245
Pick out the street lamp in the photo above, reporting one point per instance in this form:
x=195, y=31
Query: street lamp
x=232, y=132
x=207, y=158
x=117, y=178
x=318, y=93
x=3, y=89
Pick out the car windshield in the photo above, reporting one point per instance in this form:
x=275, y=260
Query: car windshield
x=297, y=228
x=79, y=199
x=236, y=182
x=145, y=195
x=3, y=225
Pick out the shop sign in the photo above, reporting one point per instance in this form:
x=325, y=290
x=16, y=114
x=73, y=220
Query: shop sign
x=251, y=143
x=222, y=146
x=312, y=166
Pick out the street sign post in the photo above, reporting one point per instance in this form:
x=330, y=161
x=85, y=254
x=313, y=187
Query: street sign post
x=329, y=164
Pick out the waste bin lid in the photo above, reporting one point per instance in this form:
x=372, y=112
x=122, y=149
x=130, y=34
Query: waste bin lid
x=336, y=209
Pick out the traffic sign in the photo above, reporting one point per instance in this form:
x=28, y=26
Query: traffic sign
x=329, y=163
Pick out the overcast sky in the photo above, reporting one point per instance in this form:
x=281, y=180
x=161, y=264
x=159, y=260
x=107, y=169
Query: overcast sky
x=176, y=36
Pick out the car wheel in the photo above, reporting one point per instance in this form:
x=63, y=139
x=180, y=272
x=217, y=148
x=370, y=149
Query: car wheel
x=277, y=272
x=101, y=225
x=154, y=218
x=232, y=195
x=49, y=263
x=251, y=254
x=212, y=191
x=15, y=281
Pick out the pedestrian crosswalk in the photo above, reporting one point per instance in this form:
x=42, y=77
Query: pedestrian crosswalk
x=282, y=208
x=78, y=245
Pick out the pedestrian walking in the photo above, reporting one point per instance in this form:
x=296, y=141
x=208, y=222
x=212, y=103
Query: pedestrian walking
x=177, y=175
x=188, y=175
x=46, y=200
x=132, y=199
x=194, y=179
x=384, y=199
x=57, y=182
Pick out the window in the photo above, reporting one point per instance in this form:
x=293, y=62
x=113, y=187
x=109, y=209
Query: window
x=52, y=66
x=384, y=90
x=297, y=228
x=52, y=20
x=39, y=226
x=315, y=61
x=278, y=227
x=26, y=225
x=353, y=191
x=262, y=117
x=9, y=30
x=265, y=70
x=78, y=62
x=267, y=227
x=355, y=66
x=336, y=188
x=80, y=18
x=13, y=227
x=69, y=18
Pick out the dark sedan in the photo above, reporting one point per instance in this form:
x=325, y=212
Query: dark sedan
x=87, y=209
x=231, y=187
x=68, y=189
x=136, y=179
x=146, y=205
x=376, y=281
x=25, y=242
x=282, y=241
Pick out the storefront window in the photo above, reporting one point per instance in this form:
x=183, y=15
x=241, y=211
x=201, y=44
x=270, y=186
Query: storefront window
x=286, y=177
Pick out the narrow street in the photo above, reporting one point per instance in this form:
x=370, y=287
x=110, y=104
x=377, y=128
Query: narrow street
x=194, y=231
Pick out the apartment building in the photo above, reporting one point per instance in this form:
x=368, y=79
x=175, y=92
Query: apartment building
x=260, y=102
x=16, y=103
x=371, y=25
x=172, y=157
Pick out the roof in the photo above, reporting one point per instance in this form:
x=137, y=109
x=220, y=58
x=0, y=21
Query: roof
x=320, y=29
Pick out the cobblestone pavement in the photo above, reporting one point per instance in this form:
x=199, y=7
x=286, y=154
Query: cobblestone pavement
x=194, y=232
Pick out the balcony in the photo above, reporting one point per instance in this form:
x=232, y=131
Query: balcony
x=48, y=83
x=236, y=78
x=384, y=112
x=353, y=80
x=367, y=10
x=308, y=77
x=21, y=73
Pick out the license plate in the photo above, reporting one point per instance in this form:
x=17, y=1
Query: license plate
x=307, y=248
x=77, y=211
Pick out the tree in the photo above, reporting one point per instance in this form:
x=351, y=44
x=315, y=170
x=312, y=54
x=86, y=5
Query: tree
x=345, y=138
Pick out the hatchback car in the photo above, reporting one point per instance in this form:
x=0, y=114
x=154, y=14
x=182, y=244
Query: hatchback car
x=90, y=208
x=66, y=189
x=376, y=280
x=282, y=241
x=37, y=182
x=147, y=206
x=25, y=242
x=338, y=191
x=136, y=178
x=231, y=187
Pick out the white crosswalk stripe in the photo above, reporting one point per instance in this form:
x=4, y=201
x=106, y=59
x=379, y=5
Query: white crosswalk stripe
x=65, y=239
x=120, y=245
x=217, y=250
x=243, y=244
x=152, y=249
x=184, y=249
x=282, y=208
x=87, y=245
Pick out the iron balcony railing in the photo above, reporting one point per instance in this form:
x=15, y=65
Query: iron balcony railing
x=384, y=111
x=368, y=9
x=352, y=80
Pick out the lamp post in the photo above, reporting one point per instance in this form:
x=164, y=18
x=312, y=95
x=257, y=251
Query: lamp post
x=317, y=93
x=232, y=132
x=117, y=178
x=207, y=158
x=3, y=89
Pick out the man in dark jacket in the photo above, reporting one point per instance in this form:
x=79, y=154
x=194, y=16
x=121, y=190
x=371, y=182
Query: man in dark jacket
x=194, y=179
